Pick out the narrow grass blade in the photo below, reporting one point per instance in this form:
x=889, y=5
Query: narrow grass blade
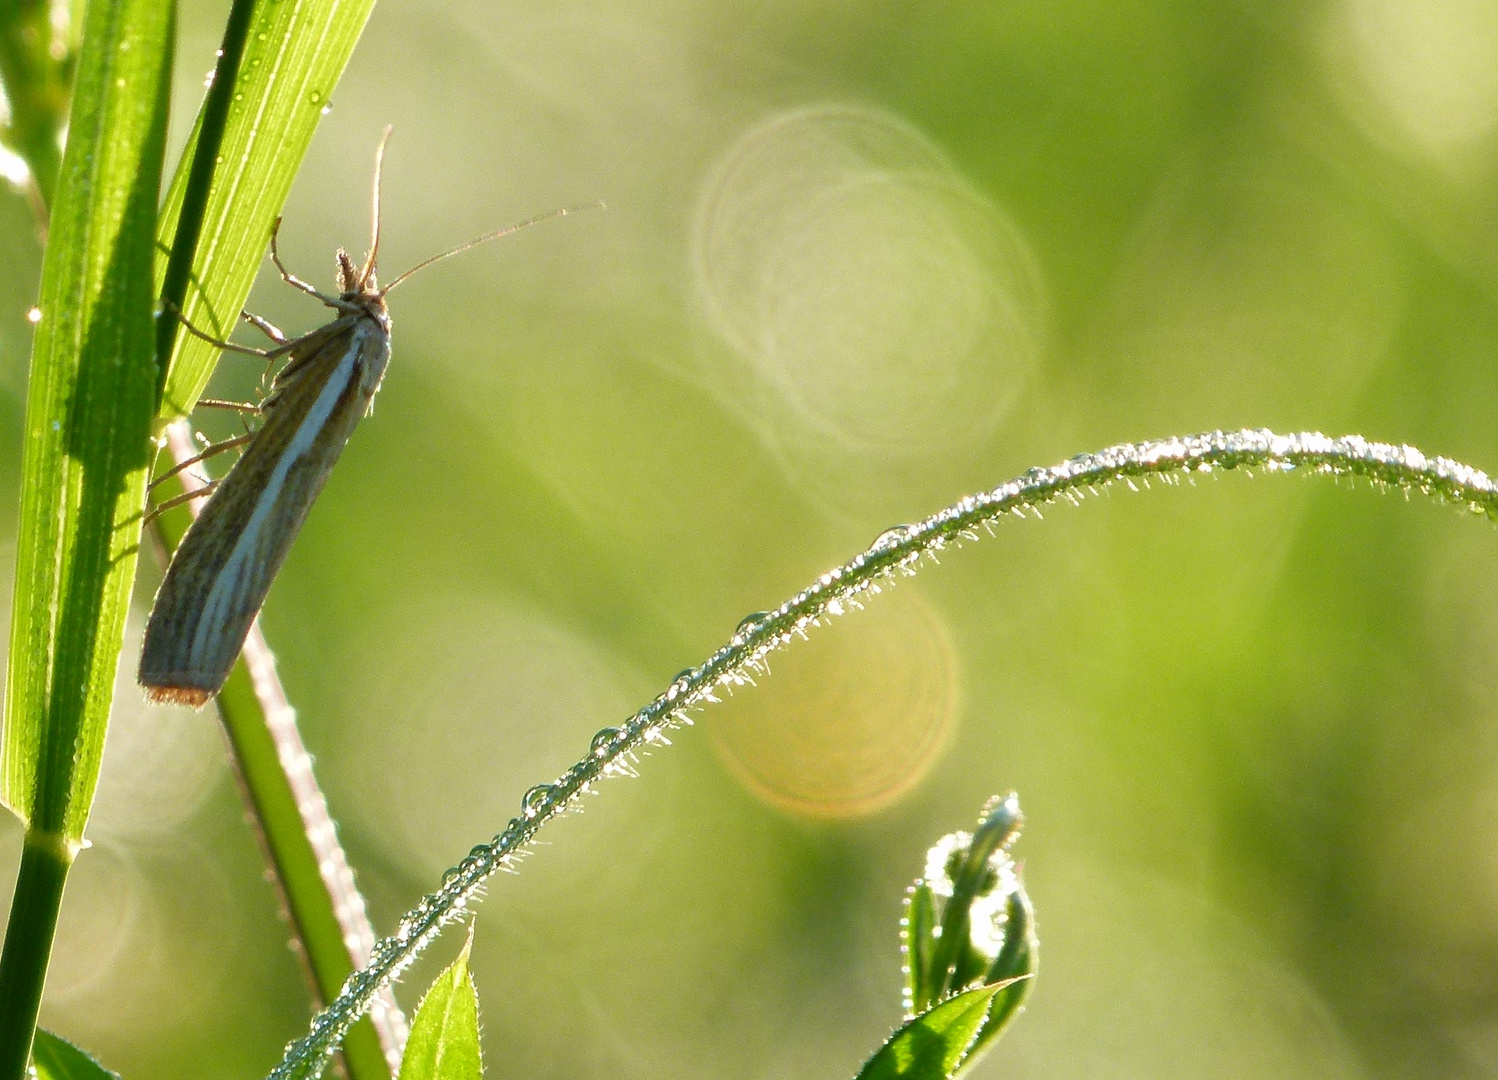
x=54, y=1058
x=88, y=413
x=293, y=54
x=444, y=1042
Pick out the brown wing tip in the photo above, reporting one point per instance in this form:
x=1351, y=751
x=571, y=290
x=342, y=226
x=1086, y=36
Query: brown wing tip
x=194, y=696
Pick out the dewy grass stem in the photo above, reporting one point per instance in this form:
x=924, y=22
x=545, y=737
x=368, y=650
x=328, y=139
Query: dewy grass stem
x=896, y=551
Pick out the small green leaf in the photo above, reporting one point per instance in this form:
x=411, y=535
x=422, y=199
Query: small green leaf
x=1015, y=966
x=933, y=1045
x=920, y=920
x=57, y=1059
x=444, y=1043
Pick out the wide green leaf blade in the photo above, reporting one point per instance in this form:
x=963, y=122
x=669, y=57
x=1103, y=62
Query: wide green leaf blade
x=444, y=1043
x=932, y=1045
x=88, y=414
x=54, y=1058
x=293, y=54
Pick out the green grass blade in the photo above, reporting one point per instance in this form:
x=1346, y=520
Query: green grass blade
x=294, y=53
x=88, y=416
x=88, y=413
x=57, y=1059
x=444, y=1042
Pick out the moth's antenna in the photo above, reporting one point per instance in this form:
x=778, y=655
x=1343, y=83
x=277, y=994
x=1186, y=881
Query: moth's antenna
x=495, y=235
x=374, y=243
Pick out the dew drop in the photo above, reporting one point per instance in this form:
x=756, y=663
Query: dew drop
x=603, y=740
x=683, y=675
x=316, y=96
x=891, y=536
x=326, y=109
x=751, y=618
x=34, y=316
x=534, y=799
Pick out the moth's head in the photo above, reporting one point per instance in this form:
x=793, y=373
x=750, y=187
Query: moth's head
x=357, y=285
x=348, y=275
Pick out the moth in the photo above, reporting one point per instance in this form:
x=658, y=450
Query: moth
x=223, y=568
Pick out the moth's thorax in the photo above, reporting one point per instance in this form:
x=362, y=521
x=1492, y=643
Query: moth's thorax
x=368, y=301
x=372, y=340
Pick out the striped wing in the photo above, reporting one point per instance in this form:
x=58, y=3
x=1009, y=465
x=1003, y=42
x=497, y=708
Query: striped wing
x=224, y=566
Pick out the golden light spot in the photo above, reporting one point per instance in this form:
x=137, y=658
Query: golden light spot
x=849, y=720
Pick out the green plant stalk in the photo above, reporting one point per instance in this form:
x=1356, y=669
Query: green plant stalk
x=896, y=551
x=88, y=410
x=208, y=138
x=45, y=861
x=289, y=852
x=36, y=66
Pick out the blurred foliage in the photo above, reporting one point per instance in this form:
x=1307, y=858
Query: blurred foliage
x=1254, y=721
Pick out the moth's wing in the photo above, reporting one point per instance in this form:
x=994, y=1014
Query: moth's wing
x=224, y=566
x=308, y=357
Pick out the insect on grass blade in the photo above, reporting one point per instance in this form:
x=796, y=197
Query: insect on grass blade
x=223, y=569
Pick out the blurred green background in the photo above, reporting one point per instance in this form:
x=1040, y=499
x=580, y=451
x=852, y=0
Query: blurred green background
x=859, y=259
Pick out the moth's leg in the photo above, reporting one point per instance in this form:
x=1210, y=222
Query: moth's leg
x=216, y=448
x=177, y=500
x=265, y=326
x=290, y=278
x=243, y=408
x=227, y=346
x=237, y=406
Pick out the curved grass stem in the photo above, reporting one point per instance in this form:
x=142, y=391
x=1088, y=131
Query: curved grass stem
x=896, y=551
